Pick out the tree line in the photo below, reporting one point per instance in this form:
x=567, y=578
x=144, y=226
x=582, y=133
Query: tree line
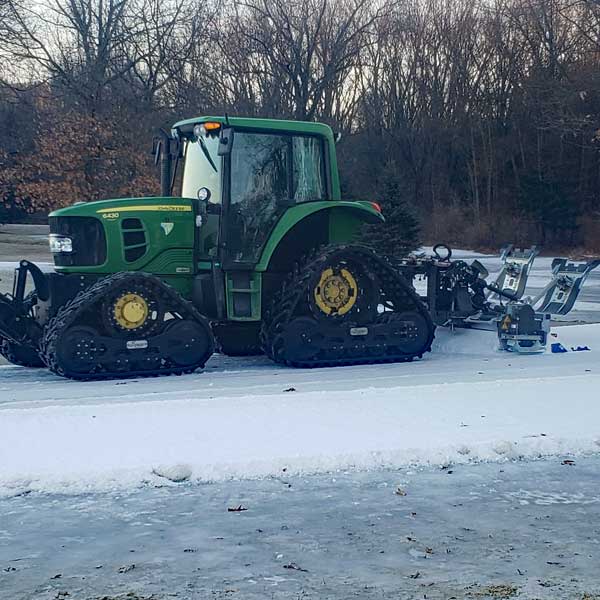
x=478, y=118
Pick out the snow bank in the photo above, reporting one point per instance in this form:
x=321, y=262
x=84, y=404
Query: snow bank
x=62, y=436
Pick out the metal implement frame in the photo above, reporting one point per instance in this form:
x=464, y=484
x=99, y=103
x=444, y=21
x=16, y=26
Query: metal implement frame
x=16, y=322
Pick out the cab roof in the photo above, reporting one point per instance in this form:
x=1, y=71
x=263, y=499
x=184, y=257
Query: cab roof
x=305, y=127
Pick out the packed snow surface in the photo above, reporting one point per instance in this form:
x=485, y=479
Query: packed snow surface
x=248, y=418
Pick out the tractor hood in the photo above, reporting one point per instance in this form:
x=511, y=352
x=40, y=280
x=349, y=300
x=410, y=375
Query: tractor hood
x=112, y=209
x=125, y=234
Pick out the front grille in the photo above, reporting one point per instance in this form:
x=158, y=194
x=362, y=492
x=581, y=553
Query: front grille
x=89, y=241
x=134, y=239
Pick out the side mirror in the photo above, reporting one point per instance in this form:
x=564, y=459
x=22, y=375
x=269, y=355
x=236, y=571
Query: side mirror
x=178, y=148
x=225, y=141
x=204, y=194
x=156, y=149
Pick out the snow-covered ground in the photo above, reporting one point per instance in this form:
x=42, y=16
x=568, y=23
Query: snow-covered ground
x=248, y=418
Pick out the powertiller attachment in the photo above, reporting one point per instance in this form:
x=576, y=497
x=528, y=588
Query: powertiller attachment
x=16, y=310
x=20, y=328
x=523, y=330
x=559, y=296
x=458, y=294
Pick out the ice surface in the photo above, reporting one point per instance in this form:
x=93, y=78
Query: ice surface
x=460, y=532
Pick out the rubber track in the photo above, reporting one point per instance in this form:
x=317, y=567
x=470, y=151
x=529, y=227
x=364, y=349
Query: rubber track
x=396, y=288
x=84, y=300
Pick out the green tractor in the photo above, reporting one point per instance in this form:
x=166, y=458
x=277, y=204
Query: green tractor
x=257, y=254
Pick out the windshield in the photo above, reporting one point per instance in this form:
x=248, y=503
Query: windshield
x=199, y=172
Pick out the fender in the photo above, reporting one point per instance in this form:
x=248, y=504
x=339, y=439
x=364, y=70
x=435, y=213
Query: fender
x=349, y=217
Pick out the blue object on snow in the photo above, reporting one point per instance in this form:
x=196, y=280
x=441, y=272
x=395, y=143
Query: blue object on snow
x=580, y=349
x=558, y=348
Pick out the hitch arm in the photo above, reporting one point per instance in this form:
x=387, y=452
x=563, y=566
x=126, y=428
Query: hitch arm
x=39, y=280
x=504, y=294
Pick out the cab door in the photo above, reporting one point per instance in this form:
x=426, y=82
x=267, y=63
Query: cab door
x=269, y=172
x=259, y=193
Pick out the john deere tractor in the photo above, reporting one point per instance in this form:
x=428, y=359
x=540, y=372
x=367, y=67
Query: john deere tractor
x=256, y=254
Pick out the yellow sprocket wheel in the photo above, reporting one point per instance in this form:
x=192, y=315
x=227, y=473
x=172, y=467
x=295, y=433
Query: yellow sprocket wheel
x=336, y=292
x=130, y=311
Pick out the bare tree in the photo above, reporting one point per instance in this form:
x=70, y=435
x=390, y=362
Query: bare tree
x=307, y=49
x=483, y=114
x=168, y=33
x=77, y=44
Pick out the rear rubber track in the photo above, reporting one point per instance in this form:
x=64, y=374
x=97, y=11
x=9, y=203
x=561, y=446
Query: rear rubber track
x=283, y=306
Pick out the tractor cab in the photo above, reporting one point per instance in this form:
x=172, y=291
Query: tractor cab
x=245, y=174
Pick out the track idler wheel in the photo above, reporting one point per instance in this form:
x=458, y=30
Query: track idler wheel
x=187, y=343
x=407, y=332
x=78, y=350
x=302, y=340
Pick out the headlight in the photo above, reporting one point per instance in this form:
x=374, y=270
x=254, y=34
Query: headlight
x=60, y=243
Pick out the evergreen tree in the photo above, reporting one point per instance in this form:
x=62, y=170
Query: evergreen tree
x=401, y=232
